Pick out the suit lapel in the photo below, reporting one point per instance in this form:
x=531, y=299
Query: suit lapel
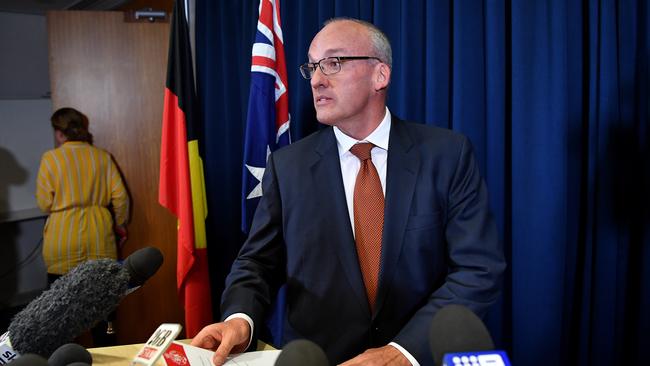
x=401, y=174
x=328, y=182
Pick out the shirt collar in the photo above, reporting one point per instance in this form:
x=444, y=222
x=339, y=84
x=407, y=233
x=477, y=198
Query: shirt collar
x=73, y=143
x=379, y=137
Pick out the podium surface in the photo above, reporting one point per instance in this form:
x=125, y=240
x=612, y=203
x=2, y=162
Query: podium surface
x=117, y=355
x=122, y=355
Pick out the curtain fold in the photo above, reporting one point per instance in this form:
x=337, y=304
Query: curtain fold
x=554, y=97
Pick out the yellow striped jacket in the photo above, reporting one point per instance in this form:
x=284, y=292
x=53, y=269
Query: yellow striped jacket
x=77, y=183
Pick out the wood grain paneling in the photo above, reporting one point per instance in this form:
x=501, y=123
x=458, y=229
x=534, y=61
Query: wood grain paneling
x=166, y=5
x=115, y=73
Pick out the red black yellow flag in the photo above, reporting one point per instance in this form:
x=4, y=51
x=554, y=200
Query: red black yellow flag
x=181, y=186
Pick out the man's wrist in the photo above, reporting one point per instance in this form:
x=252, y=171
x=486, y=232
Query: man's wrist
x=248, y=319
x=406, y=353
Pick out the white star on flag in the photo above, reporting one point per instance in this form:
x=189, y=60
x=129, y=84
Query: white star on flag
x=258, y=173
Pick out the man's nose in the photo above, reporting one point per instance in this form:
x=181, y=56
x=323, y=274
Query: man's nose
x=318, y=79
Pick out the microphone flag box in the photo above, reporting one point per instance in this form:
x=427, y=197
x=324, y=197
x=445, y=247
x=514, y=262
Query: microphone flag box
x=181, y=354
x=482, y=358
x=7, y=353
x=157, y=344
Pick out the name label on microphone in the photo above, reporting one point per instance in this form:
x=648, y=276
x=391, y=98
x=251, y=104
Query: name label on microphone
x=7, y=353
x=483, y=358
x=157, y=344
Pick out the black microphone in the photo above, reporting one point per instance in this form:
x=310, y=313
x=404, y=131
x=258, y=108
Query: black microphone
x=302, y=352
x=74, y=303
x=454, y=329
x=78, y=300
x=68, y=354
x=29, y=360
x=141, y=265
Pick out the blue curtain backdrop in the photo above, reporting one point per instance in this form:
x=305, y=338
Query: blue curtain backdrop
x=553, y=94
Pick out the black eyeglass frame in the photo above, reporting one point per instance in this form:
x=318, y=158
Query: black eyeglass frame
x=308, y=69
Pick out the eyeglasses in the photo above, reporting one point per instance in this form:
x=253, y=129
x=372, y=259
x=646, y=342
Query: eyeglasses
x=330, y=65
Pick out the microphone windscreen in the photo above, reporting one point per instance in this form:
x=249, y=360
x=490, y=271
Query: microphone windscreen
x=29, y=360
x=302, y=352
x=454, y=329
x=142, y=264
x=69, y=353
x=73, y=304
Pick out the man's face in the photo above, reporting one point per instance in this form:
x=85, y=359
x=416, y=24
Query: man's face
x=343, y=97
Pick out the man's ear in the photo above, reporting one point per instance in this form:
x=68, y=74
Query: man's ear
x=382, y=77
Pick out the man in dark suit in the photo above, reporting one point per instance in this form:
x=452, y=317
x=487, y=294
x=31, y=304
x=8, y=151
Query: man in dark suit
x=374, y=223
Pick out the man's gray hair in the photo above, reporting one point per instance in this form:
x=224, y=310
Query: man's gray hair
x=378, y=39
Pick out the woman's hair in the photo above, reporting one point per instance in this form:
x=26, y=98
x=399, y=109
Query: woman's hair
x=72, y=123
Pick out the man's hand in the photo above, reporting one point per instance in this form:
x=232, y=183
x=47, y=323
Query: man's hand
x=226, y=338
x=384, y=356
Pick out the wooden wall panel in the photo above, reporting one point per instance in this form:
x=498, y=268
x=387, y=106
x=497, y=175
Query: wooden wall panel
x=166, y=5
x=115, y=73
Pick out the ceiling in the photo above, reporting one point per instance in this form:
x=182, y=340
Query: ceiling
x=41, y=6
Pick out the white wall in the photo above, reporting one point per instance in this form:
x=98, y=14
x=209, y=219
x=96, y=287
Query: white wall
x=25, y=134
x=25, y=108
x=24, y=71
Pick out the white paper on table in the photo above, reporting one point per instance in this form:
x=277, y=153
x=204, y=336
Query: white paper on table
x=180, y=354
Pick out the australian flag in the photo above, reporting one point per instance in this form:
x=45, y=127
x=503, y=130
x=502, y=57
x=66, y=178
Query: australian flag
x=267, y=124
x=267, y=129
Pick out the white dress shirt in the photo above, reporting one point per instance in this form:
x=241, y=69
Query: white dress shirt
x=350, y=166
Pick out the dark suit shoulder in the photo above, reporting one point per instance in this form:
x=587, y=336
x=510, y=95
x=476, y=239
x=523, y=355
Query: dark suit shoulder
x=306, y=144
x=429, y=137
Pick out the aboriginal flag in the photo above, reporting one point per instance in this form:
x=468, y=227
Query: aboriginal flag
x=181, y=186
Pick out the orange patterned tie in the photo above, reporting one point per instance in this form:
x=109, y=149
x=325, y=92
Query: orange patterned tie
x=368, y=219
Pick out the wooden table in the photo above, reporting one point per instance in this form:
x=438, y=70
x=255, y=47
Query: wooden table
x=122, y=355
x=117, y=355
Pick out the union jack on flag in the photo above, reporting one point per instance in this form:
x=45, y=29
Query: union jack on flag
x=267, y=123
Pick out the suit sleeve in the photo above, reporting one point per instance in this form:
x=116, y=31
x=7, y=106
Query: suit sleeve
x=260, y=267
x=474, y=254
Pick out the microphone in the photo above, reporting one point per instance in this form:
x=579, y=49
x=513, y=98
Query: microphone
x=302, y=352
x=141, y=265
x=74, y=303
x=68, y=354
x=457, y=337
x=78, y=300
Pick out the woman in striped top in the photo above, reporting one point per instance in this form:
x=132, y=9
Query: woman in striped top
x=78, y=185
